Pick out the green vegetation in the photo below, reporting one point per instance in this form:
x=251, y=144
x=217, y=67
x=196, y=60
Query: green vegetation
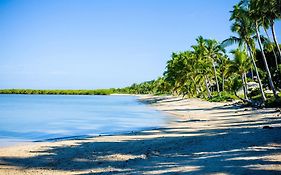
x=223, y=97
x=206, y=71
x=57, y=92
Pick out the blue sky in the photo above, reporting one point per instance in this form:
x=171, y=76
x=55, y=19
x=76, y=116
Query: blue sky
x=88, y=44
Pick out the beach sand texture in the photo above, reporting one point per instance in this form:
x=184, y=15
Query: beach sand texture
x=201, y=138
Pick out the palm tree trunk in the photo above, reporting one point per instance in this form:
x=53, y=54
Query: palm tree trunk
x=217, y=82
x=246, y=84
x=222, y=81
x=196, y=88
x=256, y=69
x=252, y=73
x=274, y=53
x=276, y=61
x=248, y=52
x=207, y=87
x=208, y=80
x=275, y=39
x=265, y=63
x=244, y=87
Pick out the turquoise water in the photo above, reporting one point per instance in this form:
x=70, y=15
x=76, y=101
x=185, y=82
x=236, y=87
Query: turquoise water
x=43, y=117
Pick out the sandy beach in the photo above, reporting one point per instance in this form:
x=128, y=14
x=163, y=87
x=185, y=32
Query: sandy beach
x=202, y=138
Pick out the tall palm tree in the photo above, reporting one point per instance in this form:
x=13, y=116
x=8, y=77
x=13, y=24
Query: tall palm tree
x=269, y=46
x=203, y=66
x=244, y=28
x=251, y=10
x=271, y=10
x=213, y=50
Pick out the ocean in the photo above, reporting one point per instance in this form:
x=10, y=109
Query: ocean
x=26, y=118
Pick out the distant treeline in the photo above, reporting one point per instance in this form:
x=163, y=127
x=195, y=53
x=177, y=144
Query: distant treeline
x=58, y=92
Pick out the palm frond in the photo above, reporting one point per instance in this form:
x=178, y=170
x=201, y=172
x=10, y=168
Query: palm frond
x=230, y=41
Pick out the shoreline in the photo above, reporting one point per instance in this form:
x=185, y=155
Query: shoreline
x=19, y=142
x=203, y=138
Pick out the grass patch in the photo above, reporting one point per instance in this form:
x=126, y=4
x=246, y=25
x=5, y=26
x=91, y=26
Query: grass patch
x=223, y=97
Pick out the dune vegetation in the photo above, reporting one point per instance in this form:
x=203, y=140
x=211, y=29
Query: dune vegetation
x=252, y=74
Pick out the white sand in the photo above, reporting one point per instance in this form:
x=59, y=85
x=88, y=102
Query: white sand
x=204, y=138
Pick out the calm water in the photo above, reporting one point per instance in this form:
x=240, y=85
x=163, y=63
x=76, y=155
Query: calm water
x=41, y=117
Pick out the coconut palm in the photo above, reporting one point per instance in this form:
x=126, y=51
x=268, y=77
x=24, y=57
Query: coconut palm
x=266, y=23
x=204, y=72
x=179, y=72
x=213, y=50
x=224, y=65
x=203, y=66
x=241, y=65
x=270, y=10
x=251, y=10
x=173, y=71
x=269, y=47
x=244, y=28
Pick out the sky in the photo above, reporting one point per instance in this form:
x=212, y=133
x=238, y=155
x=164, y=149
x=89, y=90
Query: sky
x=89, y=44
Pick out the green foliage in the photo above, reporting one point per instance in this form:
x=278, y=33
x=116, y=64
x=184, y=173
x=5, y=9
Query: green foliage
x=254, y=93
x=57, y=92
x=156, y=87
x=223, y=97
x=273, y=102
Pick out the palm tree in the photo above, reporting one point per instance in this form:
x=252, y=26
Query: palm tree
x=192, y=72
x=173, y=71
x=244, y=28
x=251, y=10
x=203, y=66
x=271, y=10
x=241, y=65
x=204, y=72
x=224, y=65
x=213, y=50
x=269, y=46
x=181, y=74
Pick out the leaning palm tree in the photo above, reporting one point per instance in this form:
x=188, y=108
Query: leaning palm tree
x=271, y=10
x=244, y=28
x=269, y=47
x=251, y=11
x=266, y=23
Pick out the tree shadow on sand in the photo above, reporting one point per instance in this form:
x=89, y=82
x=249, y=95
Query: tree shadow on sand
x=227, y=150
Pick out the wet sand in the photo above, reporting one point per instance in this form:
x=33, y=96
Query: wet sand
x=202, y=138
